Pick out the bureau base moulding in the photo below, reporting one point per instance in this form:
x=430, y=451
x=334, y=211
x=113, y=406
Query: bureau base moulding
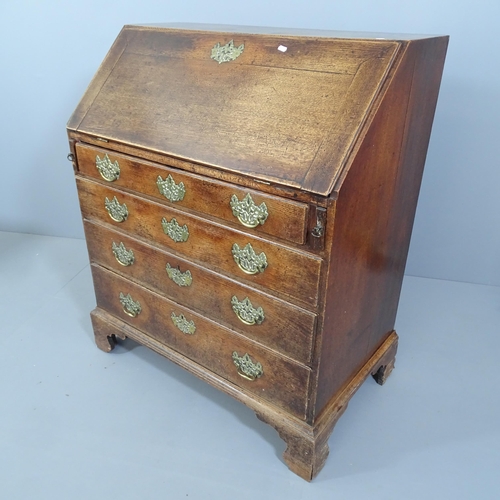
x=307, y=445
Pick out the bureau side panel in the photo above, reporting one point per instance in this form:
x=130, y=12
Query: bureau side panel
x=374, y=218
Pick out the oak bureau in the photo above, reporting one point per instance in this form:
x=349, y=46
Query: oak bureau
x=248, y=197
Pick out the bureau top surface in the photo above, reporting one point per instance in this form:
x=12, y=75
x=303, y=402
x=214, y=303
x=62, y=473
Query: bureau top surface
x=285, y=109
x=270, y=30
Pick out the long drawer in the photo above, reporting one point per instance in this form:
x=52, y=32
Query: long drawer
x=259, y=212
x=259, y=316
x=235, y=358
x=255, y=260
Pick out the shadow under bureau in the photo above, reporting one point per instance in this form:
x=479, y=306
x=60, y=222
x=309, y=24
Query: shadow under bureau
x=248, y=197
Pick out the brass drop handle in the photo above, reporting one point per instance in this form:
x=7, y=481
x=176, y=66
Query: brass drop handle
x=130, y=306
x=226, y=53
x=173, y=192
x=184, y=325
x=178, y=277
x=248, y=212
x=176, y=232
x=246, y=367
x=248, y=260
x=110, y=171
x=118, y=212
x=245, y=311
x=122, y=255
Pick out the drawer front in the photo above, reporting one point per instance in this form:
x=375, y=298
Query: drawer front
x=276, y=267
x=256, y=213
x=274, y=323
x=275, y=379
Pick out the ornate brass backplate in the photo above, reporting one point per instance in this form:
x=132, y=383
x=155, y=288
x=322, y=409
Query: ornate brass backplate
x=176, y=232
x=110, y=171
x=178, y=277
x=185, y=326
x=248, y=261
x=246, y=312
x=116, y=211
x=168, y=188
x=247, y=212
x=226, y=53
x=246, y=367
x=130, y=306
x=123, y=256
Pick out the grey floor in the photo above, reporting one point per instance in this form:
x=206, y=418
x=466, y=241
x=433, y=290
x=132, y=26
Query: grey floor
x=76, y=423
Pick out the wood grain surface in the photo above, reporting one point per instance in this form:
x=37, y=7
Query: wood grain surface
x=374, y=218
x=266, y=114
x=284, y=383
x=289, y=271
x=286, y=220
x=286, y=328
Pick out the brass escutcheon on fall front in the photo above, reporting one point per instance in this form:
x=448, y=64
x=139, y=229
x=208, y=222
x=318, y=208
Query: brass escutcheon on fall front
x=116, y=211
x=248, y=261
x=110, y=171
x=168, y=188
x=176, y=232
x=248, y=212
x=122, y=255
x=226, y=53
x=246, y=312
x=130, y=306
x=185, y=326
x=178, y=277
x=246, y=367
